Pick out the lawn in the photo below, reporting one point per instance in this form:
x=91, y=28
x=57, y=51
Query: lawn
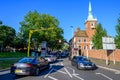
x=7, y=64
x=12, y=54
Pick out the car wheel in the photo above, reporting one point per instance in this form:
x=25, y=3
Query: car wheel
x=78, y=67
x=37, y=70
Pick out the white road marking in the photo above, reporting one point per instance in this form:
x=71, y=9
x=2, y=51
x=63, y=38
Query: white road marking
x=68, y=72
x=75, y=75
x=117, y=72
x=48, y=73
x=60, y=71
x=114, y=70
x=52, y=78
x=61, y=63
x=104, y=76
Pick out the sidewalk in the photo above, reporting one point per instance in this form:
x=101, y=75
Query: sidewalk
x=111, y=65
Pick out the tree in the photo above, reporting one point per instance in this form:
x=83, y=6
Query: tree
x=97, y=38
x=0, y=22
x=7, y=35
x=117, y=37
x=47, y=26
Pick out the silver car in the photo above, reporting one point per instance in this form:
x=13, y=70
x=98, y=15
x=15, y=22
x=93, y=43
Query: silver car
x=29, y=66
x=51, y=58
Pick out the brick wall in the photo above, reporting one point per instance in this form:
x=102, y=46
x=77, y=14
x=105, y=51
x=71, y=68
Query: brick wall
x=101, y=54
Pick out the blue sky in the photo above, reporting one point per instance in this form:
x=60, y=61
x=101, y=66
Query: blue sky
x=68, y=12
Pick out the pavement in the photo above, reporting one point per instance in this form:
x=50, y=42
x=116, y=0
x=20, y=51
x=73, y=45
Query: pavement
x=102, y=64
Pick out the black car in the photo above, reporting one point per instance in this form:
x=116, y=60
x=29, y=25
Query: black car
x=82, y=62
x=29, y=66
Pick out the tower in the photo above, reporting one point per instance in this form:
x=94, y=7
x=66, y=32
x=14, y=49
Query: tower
x=90, y=23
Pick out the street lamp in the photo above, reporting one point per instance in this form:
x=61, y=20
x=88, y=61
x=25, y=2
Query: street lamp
x=30, y=34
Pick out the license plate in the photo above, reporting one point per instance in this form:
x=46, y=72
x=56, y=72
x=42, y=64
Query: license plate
x=88, y=66
x=18, y=71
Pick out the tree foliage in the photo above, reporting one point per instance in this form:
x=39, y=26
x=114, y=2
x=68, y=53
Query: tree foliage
x=7, y=35
x=97, y=38
x=47, y=26
x=117, y=37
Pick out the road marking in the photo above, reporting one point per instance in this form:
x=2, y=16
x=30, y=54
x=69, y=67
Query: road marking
x=48, y=73
x=117, y=72
x=52, y=78
x=114, y=70
x=75, y=75
x=60, y=71
x=61, y=63
x=68, y=72
x=104, y=76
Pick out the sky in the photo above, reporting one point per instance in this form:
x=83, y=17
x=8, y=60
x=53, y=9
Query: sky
x=68, y=12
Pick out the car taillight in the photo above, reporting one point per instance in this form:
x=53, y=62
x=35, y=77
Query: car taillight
x=28, y=65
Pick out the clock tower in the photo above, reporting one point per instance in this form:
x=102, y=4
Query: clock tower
x=90, y=23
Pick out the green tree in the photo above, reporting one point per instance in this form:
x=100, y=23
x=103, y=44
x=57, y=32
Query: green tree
x=0, y=22
x=35, y=21
x=97, y=38
x=117, y=37
x=7, y=35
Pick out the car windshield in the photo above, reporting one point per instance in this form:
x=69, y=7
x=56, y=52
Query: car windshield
x=26, y=60
x=85, y=59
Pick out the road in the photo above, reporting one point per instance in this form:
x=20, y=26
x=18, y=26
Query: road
x=62, y=70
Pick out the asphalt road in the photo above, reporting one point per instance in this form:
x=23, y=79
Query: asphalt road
x=62, y=70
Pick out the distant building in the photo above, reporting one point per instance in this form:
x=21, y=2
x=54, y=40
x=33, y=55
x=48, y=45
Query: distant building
x=82, y=39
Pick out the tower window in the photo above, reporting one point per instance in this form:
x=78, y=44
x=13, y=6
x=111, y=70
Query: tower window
x=92, y=25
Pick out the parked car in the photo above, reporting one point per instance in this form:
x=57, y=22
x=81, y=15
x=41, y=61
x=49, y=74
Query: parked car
x=29, y=66
x=82, y=62
x=63, y=55
x=51, y=58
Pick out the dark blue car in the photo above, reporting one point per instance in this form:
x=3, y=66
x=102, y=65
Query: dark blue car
x=82, y=62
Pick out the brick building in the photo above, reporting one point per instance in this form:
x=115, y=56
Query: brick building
x=82, y=39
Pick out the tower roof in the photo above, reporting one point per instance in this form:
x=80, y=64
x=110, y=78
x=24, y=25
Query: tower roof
x=90, y=15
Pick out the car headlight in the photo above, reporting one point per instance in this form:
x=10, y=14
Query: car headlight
x=81, y=64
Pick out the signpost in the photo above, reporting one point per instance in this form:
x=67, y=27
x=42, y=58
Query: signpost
x=108, y=44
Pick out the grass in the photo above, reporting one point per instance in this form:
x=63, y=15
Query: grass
x=6, y=64
x=12, y=54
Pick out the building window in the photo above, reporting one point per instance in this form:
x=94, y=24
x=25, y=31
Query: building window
x=85, y=47
x=85, y=40
x=79, y=40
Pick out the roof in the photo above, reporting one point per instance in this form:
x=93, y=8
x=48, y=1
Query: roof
x=80, y=33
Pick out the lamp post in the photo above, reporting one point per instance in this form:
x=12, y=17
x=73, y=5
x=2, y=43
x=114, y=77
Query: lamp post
x=72, y=47
x=30, y=33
